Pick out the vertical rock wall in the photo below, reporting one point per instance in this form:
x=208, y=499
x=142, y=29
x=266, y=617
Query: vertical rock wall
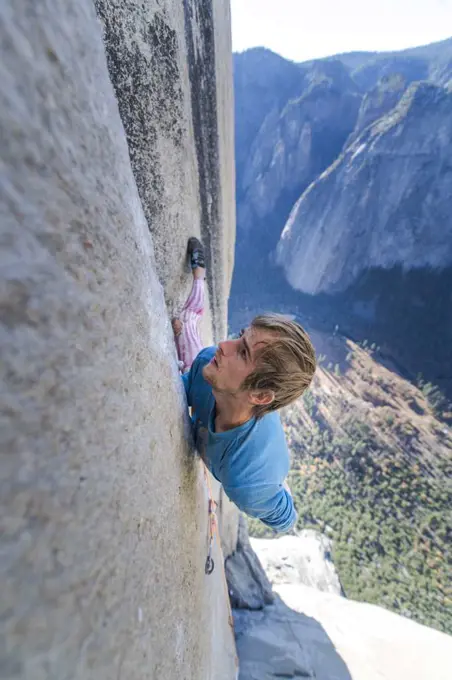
x=103, y=504
x=171, y=65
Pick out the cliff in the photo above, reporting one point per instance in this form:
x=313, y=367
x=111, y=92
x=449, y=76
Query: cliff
x=371, y=464
x=380, y=99
x=116, y=129
x=112, y=155
x=171, y=69
x=263, y=81
x=294, y=145
x=385, y=201
x=291, y=123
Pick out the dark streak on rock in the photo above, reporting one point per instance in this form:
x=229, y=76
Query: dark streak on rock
x=202, y=73
x=144, y=82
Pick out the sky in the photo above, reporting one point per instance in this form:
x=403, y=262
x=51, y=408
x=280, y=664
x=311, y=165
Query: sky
x=308, y=29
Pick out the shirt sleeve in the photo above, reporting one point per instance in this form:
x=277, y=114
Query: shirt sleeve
x=272, y=505
x=187, y=381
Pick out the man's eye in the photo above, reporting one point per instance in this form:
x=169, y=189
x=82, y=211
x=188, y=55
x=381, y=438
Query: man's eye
x=242, y=332
x=243, y=352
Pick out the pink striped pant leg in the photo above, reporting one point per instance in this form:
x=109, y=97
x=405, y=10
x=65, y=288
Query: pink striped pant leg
x=189, y=343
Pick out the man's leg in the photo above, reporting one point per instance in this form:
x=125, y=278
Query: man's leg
x=186, y=327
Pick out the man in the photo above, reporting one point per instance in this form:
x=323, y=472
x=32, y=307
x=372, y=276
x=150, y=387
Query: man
x=234, y=391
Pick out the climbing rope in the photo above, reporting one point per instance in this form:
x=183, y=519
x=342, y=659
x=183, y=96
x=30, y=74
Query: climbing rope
x=210, y=564
x=213, y=530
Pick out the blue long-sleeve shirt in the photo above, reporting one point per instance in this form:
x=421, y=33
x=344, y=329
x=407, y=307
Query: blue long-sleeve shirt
x=251, y=461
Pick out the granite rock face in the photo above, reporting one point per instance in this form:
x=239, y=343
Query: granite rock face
x=171, y=68
x=385, y=201
x=295, y=144
x=378, y=101
x=286, y=135
x=248, y=585
x=103, y=502
x=409, y=67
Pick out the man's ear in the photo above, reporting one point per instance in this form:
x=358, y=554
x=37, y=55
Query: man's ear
x=262, y=397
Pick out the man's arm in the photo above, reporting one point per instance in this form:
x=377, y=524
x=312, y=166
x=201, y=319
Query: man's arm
x=272, y=505
x=187, y=381
x=189, y=378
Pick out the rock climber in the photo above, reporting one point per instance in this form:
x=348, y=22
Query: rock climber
x=235, y=391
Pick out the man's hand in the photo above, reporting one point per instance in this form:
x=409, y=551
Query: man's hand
x=177, y=325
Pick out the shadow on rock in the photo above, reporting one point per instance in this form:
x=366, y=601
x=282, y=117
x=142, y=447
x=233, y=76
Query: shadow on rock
x=273, y=640
x=278, y=642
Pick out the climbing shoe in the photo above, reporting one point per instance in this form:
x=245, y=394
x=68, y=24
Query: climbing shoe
x=196, y=253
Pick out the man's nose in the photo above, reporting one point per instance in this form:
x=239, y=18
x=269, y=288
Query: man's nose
x=226, y=347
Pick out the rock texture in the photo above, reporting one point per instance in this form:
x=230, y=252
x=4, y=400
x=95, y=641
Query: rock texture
x=280, y=642
x=103, y=503
x=304, y=558
x=273, y=640
x=249, y=587
x=385, y=201
x=171, y=68
x=378, y=101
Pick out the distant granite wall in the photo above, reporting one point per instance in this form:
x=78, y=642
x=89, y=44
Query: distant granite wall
x=385, y=201
x=103, y=503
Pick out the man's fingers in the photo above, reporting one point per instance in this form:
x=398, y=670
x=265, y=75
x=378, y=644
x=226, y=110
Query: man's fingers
x=177, y=326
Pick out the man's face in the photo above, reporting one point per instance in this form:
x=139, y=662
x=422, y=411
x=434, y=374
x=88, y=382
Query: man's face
x=235, y=360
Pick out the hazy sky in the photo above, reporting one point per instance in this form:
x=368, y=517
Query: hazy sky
x=304, y=29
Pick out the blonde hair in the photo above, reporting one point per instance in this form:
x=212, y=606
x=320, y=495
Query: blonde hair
x=285, y=366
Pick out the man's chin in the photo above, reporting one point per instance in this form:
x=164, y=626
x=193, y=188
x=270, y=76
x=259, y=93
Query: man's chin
x=207, y=373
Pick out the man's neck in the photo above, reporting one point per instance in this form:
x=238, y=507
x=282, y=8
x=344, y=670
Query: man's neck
x=229, y=412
